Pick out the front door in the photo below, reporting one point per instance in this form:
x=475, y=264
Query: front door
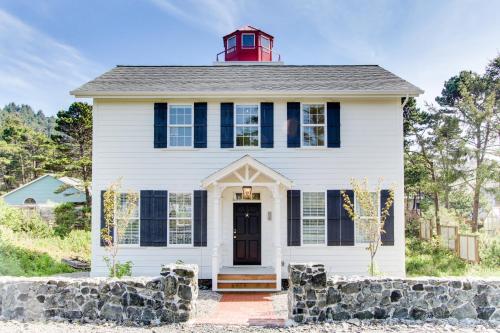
x=246, y=234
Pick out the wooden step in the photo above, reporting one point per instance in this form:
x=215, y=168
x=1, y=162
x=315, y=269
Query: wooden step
x=246, y=285
x=246, y=277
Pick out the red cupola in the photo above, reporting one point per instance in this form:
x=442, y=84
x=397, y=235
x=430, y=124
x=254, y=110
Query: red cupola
x=248, y=44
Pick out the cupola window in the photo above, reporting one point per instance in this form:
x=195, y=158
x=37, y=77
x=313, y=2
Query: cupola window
x=265, y=43
x=248, y=41
x=231, y=44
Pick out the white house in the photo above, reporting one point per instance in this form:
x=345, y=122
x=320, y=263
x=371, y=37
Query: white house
x=239, y=165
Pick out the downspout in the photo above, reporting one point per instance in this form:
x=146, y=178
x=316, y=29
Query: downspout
x=405, y=101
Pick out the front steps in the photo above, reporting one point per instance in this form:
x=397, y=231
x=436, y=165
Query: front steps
x=247, y=281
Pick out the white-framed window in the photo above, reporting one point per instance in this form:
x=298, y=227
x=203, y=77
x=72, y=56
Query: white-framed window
x=128, y=218
x=313, y=122
x=265, y=43
x=362, y=228
x=246, y=125
x=180, y=219
x=313, y=218
x=231, y=44
x=180, y=125
x=248, y=41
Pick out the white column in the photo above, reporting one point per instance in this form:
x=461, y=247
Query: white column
x=216, y=232
x=277, y=233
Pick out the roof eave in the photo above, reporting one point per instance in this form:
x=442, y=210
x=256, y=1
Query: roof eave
x=277, y=94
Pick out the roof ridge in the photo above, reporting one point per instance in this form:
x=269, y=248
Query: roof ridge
x=256, y=65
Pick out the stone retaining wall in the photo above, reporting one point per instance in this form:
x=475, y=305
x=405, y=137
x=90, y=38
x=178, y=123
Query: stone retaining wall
x=314, y=297
x=166, y=299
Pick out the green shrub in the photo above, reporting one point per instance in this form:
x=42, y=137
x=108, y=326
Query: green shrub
x=17, y=261
x=27, y=221
x=489, y=252
x=70, y=217
x=121, y=270
x=432, y=259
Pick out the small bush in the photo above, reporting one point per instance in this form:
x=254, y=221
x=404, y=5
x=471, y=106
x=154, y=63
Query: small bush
x=121, y=270
x=19, y=220
x=489, y=252
x=70, y=217
x=432, y=259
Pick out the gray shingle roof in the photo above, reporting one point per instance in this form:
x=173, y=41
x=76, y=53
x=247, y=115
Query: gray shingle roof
x=233, y=79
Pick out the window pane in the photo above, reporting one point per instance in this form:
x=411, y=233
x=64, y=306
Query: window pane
x=314, y=136
x=180, y=205
x=231, y=42
x=130, y=234
x=363, y=229
x=313, y=114
x=366, y=210
x=248, y=40
x=265, y=42
x=247, y=136
x=180, y=115
x=313, y=231
x=247, y=114
x=180, y=231
x=127, y=205
x=180, y=136
x=314, y=204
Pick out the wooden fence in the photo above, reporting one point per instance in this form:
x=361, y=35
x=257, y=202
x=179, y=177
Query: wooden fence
x=465, y=246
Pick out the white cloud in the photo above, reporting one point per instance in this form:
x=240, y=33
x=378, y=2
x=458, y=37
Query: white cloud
x=218, y=16
x=38, y=70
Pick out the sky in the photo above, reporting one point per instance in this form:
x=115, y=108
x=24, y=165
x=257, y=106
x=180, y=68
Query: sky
x=48, y=48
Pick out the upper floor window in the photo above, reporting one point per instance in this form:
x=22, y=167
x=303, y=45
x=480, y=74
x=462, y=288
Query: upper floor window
x=313, y=125
x=247, y=125
x=366, y=226
x=313, y=218
x=127, y=218
x=247, y=41
x=180, y=222
x=265, y=43
x=180, y=126
x=231, y=44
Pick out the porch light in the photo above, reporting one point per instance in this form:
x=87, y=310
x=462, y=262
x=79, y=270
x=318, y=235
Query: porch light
x=247, y=192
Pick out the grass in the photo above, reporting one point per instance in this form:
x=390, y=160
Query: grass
x=22, y=254
x=432, y=259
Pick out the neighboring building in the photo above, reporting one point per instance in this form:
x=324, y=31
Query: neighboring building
x=42, y=192
x=239, y=165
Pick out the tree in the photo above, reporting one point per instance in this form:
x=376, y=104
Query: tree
x=74, y=143
x=119, y=208
x=474, y=100
x=366, y=218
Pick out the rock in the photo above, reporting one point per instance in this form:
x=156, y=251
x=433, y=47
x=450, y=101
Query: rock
x=185, y=292
x=481, y=300
x=72, y=315
x=351, y=288
x=147, y=316
x=363, y=315
x=135, y=299
x=170, y=286
x=333, y=296
x=485, y=313
x=41, y=298
x=418, y=287
x=112, y=312
x=380, y=313
x=418, y=313
x=440, y=312
x=319, y=280
x=341, y=316
x=396, y=296
x=464, y=311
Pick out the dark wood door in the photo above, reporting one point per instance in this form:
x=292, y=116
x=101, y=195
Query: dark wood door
x=246, y=234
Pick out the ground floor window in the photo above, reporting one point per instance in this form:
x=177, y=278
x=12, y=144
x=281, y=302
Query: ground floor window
x=180, y=222
x=127, y=219
x=366, y=225
x=313, y=218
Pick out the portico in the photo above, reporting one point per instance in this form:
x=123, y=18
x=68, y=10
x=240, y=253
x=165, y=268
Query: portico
x=247, y=207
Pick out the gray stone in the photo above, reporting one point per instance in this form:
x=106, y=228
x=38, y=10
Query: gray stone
x=319, y=280
x=351, y=288
x=112, y=312
x=147, y=316
x=170, y=285
x=380, y=313
x=485, y=313
x=440, y=312
x=333, y=296
x=418, y=287
x=341, y=316
x=481, y=300
x=363, y=315
x=396, y=296
x=465, y=311
x=400, y=313
x=418, y=313
x=185, y=292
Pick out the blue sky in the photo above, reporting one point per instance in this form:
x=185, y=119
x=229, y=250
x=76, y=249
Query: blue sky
x=50, y=47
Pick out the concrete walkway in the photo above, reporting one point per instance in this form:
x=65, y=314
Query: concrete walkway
x=248, y=309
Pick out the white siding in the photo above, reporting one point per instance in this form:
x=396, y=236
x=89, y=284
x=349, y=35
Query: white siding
x=371, y=146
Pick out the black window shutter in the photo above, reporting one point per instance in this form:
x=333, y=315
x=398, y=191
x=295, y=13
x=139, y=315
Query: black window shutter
x=200, y=218
x=154, y=218
x=387, y=237
x=333, y=124
x=200, y=125
x=334, y=208
x=161, y=124
x=293, y=124
x=267, y=125
x=103, y=221
x=226, y=125
x=346, y=223
x=293, y=218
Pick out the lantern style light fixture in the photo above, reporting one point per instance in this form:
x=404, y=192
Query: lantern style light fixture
x=247, y=192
